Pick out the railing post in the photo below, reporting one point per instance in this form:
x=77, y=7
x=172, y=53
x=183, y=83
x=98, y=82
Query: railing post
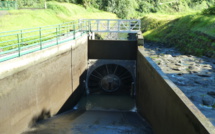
x=80, y=28
x=118, y=25
x=139, y=24
x=57, y=35
x=130, y=27
x=21, y=36
x=19, y=49
x=89, y=23
x=59, y=32
x=88, y=26
x=67, y=30
x=85, y=29
x=40, y=32
x=74, y=31
x=108, y=25
x=97, y=24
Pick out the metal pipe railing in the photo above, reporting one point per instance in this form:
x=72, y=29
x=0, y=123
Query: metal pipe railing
x=19, y=42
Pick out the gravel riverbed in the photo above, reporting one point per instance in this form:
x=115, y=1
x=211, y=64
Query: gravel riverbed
x=195, y=76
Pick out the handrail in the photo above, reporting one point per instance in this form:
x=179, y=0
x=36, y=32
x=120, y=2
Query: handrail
x=16, y=43
x=19, y=42
x=113, y=25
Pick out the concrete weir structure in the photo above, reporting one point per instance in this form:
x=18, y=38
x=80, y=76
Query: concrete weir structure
x=37, y=85
x=44, y=83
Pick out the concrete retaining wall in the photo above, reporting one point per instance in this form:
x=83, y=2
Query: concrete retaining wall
x=37, y=85
x=164, y=105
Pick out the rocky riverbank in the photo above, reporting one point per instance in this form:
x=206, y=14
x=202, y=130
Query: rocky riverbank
x=195, y=76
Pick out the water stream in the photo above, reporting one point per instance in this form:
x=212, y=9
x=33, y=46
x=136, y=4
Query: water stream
x=97, y=114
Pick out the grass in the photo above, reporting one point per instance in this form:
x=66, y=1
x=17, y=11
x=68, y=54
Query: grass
x=192, y=33
x=55, y=14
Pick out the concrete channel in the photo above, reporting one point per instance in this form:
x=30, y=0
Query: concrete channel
x=56, y=90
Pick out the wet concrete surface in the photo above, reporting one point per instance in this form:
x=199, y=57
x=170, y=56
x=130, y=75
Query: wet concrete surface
x=96, y=114
x=195, y=76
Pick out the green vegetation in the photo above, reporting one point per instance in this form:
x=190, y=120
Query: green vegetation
x=55, y=14
x=185, y=24
x=192, y=34
x=179, y=23
x=209, y=11
x=190, y=27
x=30, y=4
x=136, y=8
x=123, y=8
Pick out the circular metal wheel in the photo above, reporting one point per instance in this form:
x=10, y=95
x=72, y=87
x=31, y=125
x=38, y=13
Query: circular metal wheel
x=109, y=78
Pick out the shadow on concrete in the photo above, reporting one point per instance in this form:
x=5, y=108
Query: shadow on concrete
x=75, y=96
x=68, y=105
x=45, y=114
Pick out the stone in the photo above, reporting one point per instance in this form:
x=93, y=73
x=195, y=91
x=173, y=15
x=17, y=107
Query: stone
x=180, y=74
x=193, y=75
x=207, y=100
x=180, y=83
x=177, y=64
x=195, y=98
x=168, y=56
x=175, y=69
x=204, y=74
x=211, y=93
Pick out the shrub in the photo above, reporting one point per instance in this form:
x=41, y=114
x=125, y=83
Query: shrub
x=209, y=11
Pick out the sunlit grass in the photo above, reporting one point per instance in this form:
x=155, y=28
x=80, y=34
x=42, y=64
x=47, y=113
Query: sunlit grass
x=55, y=14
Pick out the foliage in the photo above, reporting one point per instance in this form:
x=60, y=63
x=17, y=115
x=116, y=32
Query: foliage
x=192, y=34
x=209, y=11
x=130, y=8
x=31, y=4
x=123, y=8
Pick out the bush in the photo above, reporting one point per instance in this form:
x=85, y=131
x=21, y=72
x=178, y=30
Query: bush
x=209, y=11
x=31, y=4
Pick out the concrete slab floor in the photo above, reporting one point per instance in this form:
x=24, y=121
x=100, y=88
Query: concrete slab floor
x=95, y=120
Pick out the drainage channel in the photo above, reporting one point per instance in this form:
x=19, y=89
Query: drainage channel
x=96, y=114
x=107, y=107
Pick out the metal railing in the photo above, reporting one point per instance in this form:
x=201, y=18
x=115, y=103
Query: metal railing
x=112, y=25
x=7, y=5
x=20, y=42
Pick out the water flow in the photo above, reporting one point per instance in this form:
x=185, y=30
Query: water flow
x=107, y=103
x=97, y=114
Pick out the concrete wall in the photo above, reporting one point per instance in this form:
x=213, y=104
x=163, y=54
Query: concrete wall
x=163, y=104
x=37, y=85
